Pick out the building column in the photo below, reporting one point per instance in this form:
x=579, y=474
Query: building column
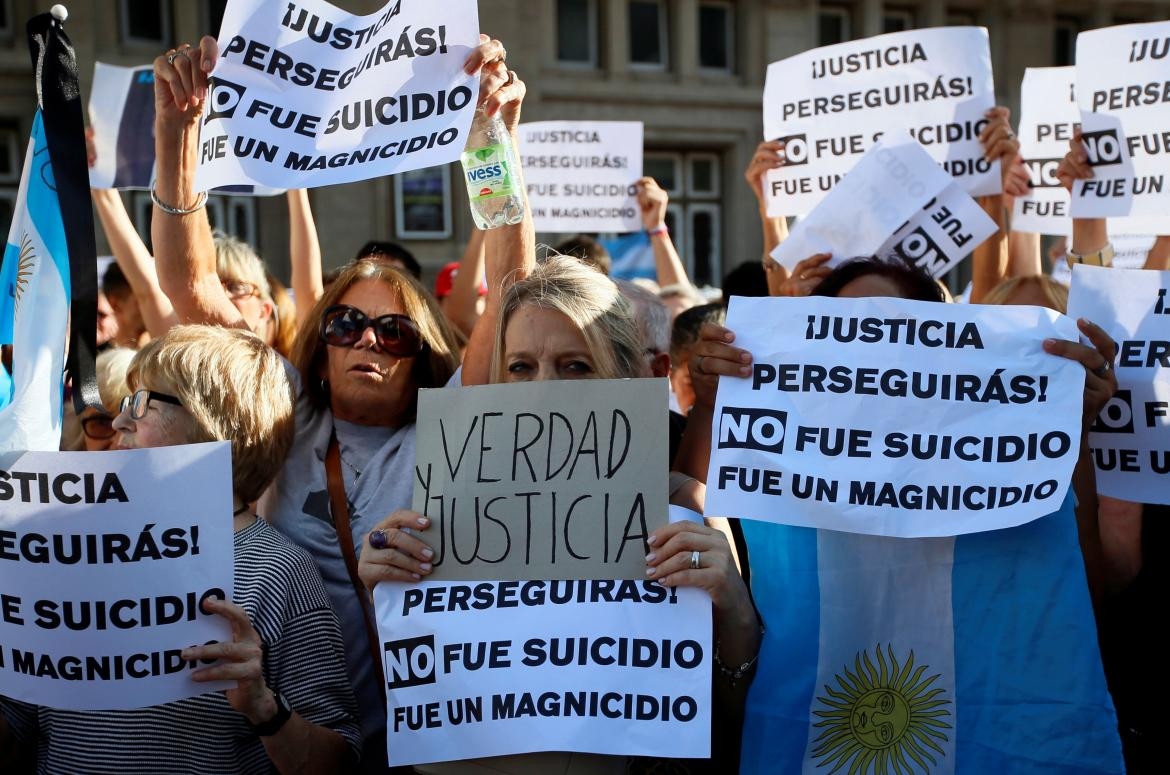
x=615, y=40
x=871, y=18
x=934, y=13
x=684, y=30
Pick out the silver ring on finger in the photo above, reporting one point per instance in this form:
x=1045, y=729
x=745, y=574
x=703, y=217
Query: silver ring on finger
x=695, y=560
x=171, y=57
x=699, y=366
x=1102, y=371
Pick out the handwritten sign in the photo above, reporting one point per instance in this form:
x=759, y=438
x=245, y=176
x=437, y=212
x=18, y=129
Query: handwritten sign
x=543, y=480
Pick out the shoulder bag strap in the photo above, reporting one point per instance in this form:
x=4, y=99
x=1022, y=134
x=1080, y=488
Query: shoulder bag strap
x=339, y=509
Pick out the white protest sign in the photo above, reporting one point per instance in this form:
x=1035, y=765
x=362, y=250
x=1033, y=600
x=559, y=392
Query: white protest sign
x=830, y=104
x=885, y=189
x=1124, y=95
x=507, y=667
x=581, y=174
x=1131, y=438
x=545, y=479
x=121, y=112
x=892, y=417
x=1048, y=116
x=306, y=94
x=941, y=234
x=105, y=559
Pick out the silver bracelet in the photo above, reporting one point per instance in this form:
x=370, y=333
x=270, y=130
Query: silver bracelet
x=200, y=201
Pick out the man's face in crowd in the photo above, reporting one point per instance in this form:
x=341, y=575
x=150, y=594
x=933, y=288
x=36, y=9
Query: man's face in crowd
x=107, y=323
x=366, y=385
x=542, y=344
x=127, y=317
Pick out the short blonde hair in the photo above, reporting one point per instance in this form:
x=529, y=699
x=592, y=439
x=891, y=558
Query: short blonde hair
x=236, y=260
x=112, y=365
x=1053, y=292
x=592, y=302
x=433, y=367
x=234, y=387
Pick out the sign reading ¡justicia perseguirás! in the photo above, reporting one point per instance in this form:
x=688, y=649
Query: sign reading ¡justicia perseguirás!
x=1131, y=437
x=893, y=417
x=1124, y=96
x=305, y=94
x=105, y=561
x=830, y=104
x=491, y=668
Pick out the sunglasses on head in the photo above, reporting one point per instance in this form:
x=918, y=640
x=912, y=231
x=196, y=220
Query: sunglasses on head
x=397, y=335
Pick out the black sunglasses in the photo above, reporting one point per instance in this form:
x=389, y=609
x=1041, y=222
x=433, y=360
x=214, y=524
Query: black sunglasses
x=397, y=335
x=98, y=426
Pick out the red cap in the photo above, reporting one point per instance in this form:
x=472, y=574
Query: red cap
x=446, y=280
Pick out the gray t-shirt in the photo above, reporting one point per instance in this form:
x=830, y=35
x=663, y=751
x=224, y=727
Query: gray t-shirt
x=297, y=504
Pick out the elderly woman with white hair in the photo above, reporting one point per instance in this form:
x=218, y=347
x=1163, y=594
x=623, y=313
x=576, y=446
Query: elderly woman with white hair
x=291, y=708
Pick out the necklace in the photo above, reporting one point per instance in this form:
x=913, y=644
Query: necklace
x=356, y=471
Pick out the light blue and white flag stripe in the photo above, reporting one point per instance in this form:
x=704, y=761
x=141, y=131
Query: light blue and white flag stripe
x=975, y=654
x=34, y=306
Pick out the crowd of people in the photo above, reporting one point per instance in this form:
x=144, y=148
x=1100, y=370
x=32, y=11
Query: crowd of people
x=315, y=387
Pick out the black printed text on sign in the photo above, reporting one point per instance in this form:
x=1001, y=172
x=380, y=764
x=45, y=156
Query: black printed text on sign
x=1131, y=437
x=308, y=95
x=893, y=417
x=831, y=104
x=542, y=480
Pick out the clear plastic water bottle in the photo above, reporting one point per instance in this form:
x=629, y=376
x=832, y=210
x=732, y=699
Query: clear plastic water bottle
x=491, y=170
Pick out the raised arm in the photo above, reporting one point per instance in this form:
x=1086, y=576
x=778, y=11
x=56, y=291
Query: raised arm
x=768, y=156
x=1159, y=255
x=668, y=266
x=1089, y=234
x=991, y=261
x=461, y=305
x=304, y=250
x=510, y=251
x=182, y=242
x=135, y=261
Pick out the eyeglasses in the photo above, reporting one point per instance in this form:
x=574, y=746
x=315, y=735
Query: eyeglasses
x=139, y=402
x=98, y=427
x=240, y=289
x=397, y=335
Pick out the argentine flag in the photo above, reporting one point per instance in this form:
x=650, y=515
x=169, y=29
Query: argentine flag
x=976, y=654
x=34, y=306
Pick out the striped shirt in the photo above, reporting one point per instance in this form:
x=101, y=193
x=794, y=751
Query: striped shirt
x=278, y=585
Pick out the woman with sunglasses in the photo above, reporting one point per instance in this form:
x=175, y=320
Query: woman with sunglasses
x=291, y=708
x=568, y=321
x=97, y=425
x=362, y=353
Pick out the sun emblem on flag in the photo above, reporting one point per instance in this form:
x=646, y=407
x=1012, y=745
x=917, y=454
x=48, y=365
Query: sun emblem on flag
x=26, y=266
x=882, y=718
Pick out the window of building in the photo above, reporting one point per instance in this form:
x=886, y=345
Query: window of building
x=648, y=42
x=577, y=32
x=213, y=16
x=834, y=25
x=10, y=166
x=962, y=18
x=898, y=20
x=146, y=22
x=422, y=203
x=5, y=18
x=716, y=36
x=693, y=179
x=1064, y=40
x=230, y=213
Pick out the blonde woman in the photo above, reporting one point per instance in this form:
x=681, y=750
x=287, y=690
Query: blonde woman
x=97, y=425
x=568, y=321
x=292, y=708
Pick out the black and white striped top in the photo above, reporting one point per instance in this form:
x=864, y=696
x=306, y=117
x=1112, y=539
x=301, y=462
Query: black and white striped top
x=278, y=585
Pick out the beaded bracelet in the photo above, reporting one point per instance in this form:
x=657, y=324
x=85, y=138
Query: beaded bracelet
x=733, y=676
x=200, y=201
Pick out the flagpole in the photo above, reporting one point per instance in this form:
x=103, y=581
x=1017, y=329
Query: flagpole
x=59, y=95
